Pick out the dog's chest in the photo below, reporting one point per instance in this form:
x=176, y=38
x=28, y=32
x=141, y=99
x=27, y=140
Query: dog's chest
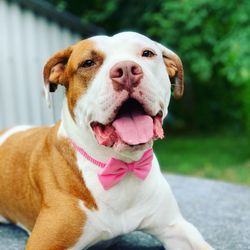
x=120, y=209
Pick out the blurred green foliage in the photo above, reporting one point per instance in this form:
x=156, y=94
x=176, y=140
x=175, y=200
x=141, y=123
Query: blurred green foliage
x=212, y=38
x=224, y=157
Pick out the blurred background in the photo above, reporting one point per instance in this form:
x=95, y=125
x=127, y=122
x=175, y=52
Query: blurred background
x=207, y=131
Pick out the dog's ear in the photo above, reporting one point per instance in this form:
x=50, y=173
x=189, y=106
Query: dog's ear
x=175, y=70
x=54, y=72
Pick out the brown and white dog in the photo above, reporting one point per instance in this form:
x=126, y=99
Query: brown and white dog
x=51, y=189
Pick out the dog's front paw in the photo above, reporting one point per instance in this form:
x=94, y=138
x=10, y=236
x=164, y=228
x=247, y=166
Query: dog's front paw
x=204, y=246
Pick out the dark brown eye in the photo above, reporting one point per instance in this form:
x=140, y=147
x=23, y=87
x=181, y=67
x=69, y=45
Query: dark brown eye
x=148, y=53
x=87, y=63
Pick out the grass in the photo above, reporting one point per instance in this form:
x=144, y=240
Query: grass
x=223, y=157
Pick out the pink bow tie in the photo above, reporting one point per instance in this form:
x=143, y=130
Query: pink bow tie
x=115, y=170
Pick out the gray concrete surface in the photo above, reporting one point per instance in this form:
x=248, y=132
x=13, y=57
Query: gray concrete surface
x=219, y=210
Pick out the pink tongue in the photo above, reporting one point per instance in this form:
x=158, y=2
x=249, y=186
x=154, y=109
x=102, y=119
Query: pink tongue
x=134, y=128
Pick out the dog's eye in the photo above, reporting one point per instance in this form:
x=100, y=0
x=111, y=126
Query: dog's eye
x=148, y=53
x=87, y=63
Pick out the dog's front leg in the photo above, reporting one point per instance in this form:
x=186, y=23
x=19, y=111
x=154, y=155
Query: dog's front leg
x=57, y=227
x=181, y=235
x=167, y=224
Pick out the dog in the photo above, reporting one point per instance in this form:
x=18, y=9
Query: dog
x=93, y=175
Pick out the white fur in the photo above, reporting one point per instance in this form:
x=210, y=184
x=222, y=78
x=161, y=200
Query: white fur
x=47, y=95
x=24, y=228
x=3, y=220
x=132, y=204
x=100, y=101
x=12, y=131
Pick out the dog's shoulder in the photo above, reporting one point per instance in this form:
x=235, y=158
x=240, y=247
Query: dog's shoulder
x=22, y=138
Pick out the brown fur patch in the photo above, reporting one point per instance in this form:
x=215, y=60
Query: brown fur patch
x=65, y=68
x=41, y=185
x=19, y=201
x=58, y=226
x=78, y=76
x=175, y=71
x=71, y=177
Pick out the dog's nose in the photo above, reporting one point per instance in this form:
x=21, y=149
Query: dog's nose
x=126, y=75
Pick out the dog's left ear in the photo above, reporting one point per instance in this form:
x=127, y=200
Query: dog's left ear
x=54, y=72
x=175, y=70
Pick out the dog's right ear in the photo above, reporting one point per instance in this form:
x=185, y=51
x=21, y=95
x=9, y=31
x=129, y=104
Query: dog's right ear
x=54, y=72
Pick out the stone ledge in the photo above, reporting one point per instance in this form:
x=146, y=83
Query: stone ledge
x=220, y=211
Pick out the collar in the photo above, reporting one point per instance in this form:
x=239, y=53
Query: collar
x=90, y=158
x=87, y=156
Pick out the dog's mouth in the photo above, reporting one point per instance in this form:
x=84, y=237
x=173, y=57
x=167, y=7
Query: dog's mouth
x=131, y=125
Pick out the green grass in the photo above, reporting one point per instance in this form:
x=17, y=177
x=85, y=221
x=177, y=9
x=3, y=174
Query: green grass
x=223, y=157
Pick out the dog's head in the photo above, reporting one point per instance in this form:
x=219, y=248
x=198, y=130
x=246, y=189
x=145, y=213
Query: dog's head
x=117, y=87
